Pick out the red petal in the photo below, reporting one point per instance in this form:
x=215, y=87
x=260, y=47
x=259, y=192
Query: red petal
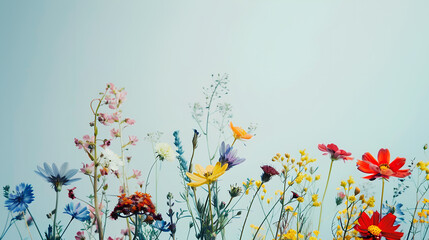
x=322, y=147
x=386, y=223
x=397, y=164
x=392, y=235
x=368, y=157
x=364, y=221
x=364, y=167
x=333, y=147
x=383, y=156
x=375, y=218
x=402, y=173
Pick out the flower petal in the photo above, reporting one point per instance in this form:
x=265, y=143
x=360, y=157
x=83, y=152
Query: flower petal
x=383, y=156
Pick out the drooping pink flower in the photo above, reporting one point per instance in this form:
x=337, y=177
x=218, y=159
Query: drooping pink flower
x=335, y=152
x=140, y=183
x=87, y=168
x=115, y=132
x=106, y=143
x=78, y=143
x=130, y=121
x=105, y=119
x=137, y=173
x=88, y=142
x=133, y=140
x=80, y=235
x=116, y=116
x=112, y=88
x=71, y=193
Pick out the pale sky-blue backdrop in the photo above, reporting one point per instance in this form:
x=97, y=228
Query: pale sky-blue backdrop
x=350, y=72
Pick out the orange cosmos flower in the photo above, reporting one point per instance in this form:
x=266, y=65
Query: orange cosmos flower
x=382, y=168
x=239, y=133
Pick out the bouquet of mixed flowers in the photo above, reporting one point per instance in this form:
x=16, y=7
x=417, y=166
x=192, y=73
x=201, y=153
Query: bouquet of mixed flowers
x=204, y=208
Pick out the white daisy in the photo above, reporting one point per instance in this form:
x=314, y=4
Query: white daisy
x=112, y=159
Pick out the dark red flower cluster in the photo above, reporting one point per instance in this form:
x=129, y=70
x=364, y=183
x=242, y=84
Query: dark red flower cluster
x=136, y=204
x=268, y=173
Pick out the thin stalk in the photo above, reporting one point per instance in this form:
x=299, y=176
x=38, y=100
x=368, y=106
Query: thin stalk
x=150, y=171
x=282, y=209
x=381, y=203
x=17, y=229
x=35, y=224
x=210, y=204
x=28, y=229
x=136, y=229
x=248, y=210
x=235, y=139
x=265, y=218
x=66, y=227
x=56, y=213
x=415, y=210
x=324, y=193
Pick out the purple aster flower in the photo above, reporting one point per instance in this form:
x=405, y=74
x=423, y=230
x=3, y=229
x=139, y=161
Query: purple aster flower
x=78, y=212
x=229, y=155
x=18, y=201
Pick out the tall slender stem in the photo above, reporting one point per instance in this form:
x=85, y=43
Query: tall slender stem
x=56, y=213
x=35, y=224
x=210, y=205
x=28, y=229
x=66, y=227
x=283, y=204
x=381, y=203
x=324, y=193
x=235, y=139
x=248, y=210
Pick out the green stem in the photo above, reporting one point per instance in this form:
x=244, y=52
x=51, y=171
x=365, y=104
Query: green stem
x=66, y=227
x=381, y=203
x=235, y=139
x=248, y=210
x=282, y=208
x=55, y=217
x=150, y=171
x=324, y=193
x=210, y=204
x=35, y=224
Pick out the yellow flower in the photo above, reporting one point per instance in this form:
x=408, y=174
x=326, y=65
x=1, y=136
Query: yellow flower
x=314, y=197
x=317, y=177
x=300, y=199
x=316, y=232
x=239, y=133
x=289, y=208
x=352, y=198
x=262, y=197
x=351, y=181
x=206, y=176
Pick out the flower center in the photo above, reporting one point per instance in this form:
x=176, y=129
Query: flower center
x=374, y=230
x=384, y=168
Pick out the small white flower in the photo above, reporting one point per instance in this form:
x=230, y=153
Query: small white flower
x=165, y=152
x=112, y=159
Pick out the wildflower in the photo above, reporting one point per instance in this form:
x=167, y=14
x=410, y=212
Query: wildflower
x=235, y=191
x=18, y=201
x=340, y=197
x=130, y=121
x=195, y=139
x=289, y=208
x=77, y=211
x=239, y=133
x=268, y=173
x=228, y=155
x=382, y=168
x=335, y=152
x=394, y=209
x=87, y=168
x=161, y=225
x=374, y=228
x=115, y=133
x=352, y=198
x=136, y=174
x=111, y=159
x=300, y=199
x=206, y=176
x=133, y=140
x=165, y=152
x=140, y=183
x=71, y=193
x=357, y=191
x=80, y=235
x=105, y=119
x=138, y=203
x=294, y=194
x=104, y=171
x=106, y=143
x=92, y=210
x=57, y=177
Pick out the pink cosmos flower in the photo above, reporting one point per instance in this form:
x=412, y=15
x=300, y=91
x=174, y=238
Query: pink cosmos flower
x=133, y=140
x=137, y=173
x=80, y=235
x=87, y=168
x=115, y=132
x=335, y=152
x=130, y=121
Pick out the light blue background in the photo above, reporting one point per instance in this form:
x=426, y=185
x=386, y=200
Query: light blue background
x=350, y=72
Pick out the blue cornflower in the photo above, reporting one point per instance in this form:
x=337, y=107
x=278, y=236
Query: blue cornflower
x=58, y=178
x=228, y=155
x=394, y=209
x=161, y=225
x=18, y=201
x=78, y=212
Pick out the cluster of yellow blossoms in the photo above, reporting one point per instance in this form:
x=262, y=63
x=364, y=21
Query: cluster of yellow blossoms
x=354, y=204
x=291, y=235
x=423, y=166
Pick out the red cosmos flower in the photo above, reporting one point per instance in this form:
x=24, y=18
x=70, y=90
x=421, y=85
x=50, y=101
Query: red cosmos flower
x=335, y=152
x=374, y=228
x=383, y=167
x=138, y=203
